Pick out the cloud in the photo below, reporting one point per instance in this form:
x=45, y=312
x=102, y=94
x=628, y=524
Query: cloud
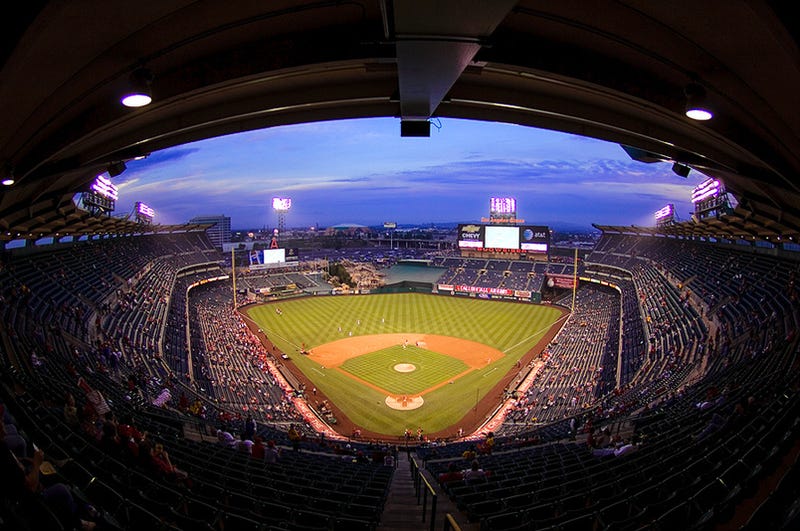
x=362, y=170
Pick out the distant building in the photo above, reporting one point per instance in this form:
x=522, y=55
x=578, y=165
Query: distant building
x=349, y=229
x=221, y=231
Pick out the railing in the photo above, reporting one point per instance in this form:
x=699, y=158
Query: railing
x=450, y=523
x=421, y=491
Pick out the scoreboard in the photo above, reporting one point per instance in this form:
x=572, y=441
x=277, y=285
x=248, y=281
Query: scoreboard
x=504, y=238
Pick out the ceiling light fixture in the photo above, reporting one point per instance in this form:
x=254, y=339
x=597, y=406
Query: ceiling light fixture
x=138, y=93
x=681, y=170
x=696, y=106
x=7, y=173
x=116, y=168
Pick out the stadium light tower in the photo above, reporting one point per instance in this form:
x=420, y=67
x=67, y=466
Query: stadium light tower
x=281, y=206
x=101, y=198
x=665, y=216
x=144, y=214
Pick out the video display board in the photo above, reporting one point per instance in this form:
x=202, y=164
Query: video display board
x=526, y=238
x=261, y=258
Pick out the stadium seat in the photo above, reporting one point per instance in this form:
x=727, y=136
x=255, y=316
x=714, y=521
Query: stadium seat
x=237, y=522
x=272, y=513
x=352, y=524
x=305, y=520
x=107, y=500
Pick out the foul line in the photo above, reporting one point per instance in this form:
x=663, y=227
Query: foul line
x=542, y=331
x=271, y=333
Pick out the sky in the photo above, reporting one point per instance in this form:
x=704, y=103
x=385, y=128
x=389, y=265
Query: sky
x=361, y=171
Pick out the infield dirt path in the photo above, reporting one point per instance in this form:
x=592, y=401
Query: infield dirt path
x=333, y=354
x=472, y=353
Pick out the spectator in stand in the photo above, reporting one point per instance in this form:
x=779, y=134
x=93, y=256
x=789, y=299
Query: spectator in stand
x=618, y=449
x=257, y=451
x=183, y=403
x=95, y=401
x=130, y=438
x=469, y=454
x=20, y=483
x=294, y=437
x=474, y=474
x=244, y=445
x=388, y=459
x=249, y=428
x=12, y=439
x=603, y=439
x=488, y=444
x=162, y=464
x=70, y=411
x=224, y=438
x=271, y=453
x=452, y=474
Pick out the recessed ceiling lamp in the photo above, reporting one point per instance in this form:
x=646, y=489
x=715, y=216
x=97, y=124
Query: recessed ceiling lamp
x=8, y=176
x=696, y=106
x=138, y=93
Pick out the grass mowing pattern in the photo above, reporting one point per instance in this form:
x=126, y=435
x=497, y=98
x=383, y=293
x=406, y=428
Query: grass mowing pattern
x=377, y=368
x=512, y=328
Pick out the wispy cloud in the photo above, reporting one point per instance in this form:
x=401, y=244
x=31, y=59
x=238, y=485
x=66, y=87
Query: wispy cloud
x=363, y=171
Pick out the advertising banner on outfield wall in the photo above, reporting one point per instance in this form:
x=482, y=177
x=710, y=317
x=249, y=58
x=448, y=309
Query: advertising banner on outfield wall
x=482, y=289
x=445, y=287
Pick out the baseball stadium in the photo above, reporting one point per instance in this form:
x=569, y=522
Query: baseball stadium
x=481, y=375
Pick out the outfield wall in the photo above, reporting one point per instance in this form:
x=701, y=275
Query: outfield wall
x=482, y=292
x=406, y=286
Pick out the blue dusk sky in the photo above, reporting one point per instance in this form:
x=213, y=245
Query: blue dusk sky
x=361, y=171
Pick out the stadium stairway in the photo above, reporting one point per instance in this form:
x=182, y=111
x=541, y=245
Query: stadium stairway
x=402, y=512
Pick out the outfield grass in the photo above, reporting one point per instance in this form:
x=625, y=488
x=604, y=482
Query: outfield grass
x=512, y=328
x=431, y=368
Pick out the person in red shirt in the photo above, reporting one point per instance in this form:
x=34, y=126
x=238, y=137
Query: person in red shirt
x=257, y=451
x=452, y=474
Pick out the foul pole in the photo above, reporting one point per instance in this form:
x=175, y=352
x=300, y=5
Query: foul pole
x=233, y=274
x=574, y=279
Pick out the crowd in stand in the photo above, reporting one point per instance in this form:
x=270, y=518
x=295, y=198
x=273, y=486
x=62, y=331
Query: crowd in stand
x=579, y=365
x=700, y=308
x=233, y=360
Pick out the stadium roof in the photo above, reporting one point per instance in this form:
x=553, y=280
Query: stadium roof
x=615, y=70
x=738, y=224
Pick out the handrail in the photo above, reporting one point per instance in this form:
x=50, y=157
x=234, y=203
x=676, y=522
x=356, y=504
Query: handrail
x=418, y=479
x=450, y=523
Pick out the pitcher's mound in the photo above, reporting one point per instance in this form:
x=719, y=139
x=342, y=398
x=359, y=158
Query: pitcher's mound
x=405, y=367
x=404, y=403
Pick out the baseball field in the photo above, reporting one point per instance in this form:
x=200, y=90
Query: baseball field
x=396, y=361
